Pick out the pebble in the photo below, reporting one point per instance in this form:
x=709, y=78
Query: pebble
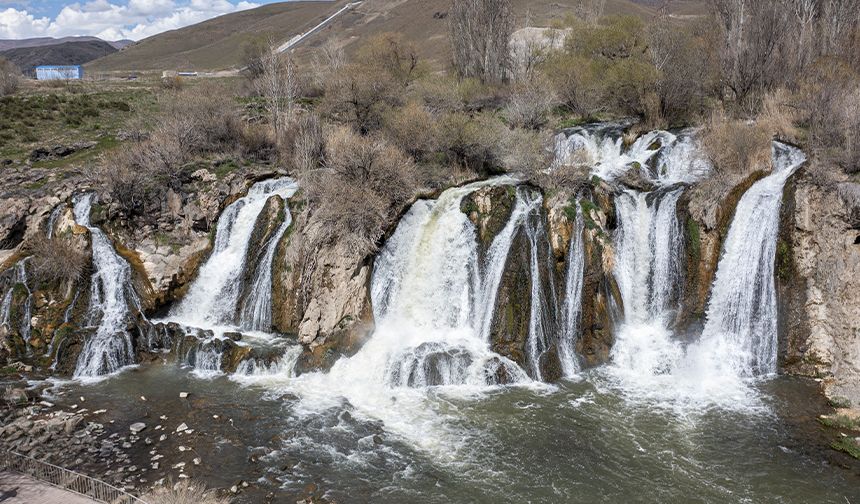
x=183, y=448
x=155, y=465
x=182, y=427
x=197, y=461
x=99, y=411
x=162, y=437
x=163, y=417
x=142, y=398
x=179, y=465
x=183, y=395
x=137, y=427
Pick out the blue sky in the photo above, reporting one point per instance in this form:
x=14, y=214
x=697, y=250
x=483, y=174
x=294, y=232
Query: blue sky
x=109, y=19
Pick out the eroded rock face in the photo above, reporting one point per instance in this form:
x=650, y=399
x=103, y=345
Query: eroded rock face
x=321, y=295
x=818, y=267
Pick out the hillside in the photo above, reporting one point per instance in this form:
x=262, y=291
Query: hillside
x=66, y=53
x=218, y=43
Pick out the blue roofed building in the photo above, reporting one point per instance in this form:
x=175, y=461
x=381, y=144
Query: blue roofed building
x=59, y=72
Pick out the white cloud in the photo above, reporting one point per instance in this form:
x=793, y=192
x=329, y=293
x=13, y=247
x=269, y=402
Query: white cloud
x=113, y=21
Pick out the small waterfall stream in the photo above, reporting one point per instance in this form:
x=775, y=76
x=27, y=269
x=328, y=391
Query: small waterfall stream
x=110, y=346
x=433, y=299
x=740, y=333
x=572, y=307
x=213, y=297
x=18, y=276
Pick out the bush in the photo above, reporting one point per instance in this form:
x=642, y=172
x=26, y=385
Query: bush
x=471, y=142
x=174, y=83
x=183, y=493
x=413, y=129
x=529, y=104
x=57, y=260
x=830, y=95
x=736, y=147
x=363, y=185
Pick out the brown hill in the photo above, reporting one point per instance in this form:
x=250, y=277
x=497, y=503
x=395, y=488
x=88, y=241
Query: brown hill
x=218, y=43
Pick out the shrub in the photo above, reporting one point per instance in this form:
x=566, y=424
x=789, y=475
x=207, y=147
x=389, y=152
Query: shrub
x=830, y=95
x=412, y=128
x=308, y=144
x=529, y=104
x=736, y=148
x=57, y=260
x=471, y=142
x=183, y=493
x=363, y=185
x=173, y=83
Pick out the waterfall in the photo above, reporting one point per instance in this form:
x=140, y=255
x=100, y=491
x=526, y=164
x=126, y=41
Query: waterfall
x=741, y=331
x=213, y=297
x=18, y=277
x=572, y=309
x=257, y=310
x=430, y=296
x=110, y=347
x=541, y=326
x=648, y=245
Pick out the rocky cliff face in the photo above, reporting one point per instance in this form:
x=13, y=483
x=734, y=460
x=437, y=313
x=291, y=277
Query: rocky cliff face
x=322, y=295
x=818, y=267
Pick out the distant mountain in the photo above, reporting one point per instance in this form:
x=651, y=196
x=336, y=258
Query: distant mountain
x=64, y=53
x=6, y=44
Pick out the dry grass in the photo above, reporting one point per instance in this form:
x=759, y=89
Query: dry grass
x=736, y=147
x=183, y=493
x=57, y=260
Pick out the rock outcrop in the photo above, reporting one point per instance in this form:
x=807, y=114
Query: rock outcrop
x=818, y=267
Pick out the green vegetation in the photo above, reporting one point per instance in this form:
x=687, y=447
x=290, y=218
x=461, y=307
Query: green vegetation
x=694, y=239
x=842, y=422
x=46, y=117
x=847, y=445
x=784, y=260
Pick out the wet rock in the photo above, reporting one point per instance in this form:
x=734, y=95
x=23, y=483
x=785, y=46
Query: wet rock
x=137, y=427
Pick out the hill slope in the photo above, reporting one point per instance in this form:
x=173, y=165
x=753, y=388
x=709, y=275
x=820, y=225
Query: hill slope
x=218, y=43
x=66, y=53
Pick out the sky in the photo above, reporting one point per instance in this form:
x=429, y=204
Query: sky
x=109, y=19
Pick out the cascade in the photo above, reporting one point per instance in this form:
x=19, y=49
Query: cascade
x=257, y=309
x=213, y=297
x=18, y=277
x=572, y=309
x=740, y=332
x=110, y=346
x=542, y=311
x=431, y=298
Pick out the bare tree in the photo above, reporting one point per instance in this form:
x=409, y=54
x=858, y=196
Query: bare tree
x=327, y=60
x=839, y=18
x=279, y=87
x=590, y=11
x=9, y=77
x=753, y=34
x=480, y=32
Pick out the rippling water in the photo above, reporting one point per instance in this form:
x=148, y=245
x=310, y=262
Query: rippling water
x=586, y=441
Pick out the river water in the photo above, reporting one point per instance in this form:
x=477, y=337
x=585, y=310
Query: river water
x=581, y=441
